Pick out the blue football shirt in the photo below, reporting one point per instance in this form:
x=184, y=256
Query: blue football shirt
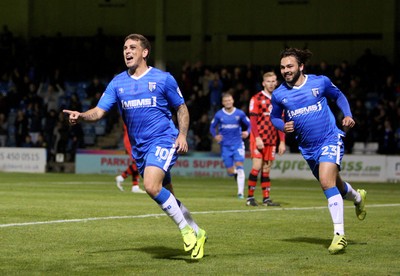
x=144, y=103
x=230, y=126
x=307, y=106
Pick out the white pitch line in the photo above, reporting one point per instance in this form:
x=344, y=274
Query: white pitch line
x=195, y=213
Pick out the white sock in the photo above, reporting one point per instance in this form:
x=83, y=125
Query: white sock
x=352, y=194
x=240, y=180
x=189, y=218
x=171, y=208
x=335, y=205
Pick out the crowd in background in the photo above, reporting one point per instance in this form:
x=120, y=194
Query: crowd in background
x=42, y=76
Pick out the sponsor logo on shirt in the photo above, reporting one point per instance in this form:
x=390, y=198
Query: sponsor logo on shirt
x=230, y=126
x=139, y=103
x=304, y=110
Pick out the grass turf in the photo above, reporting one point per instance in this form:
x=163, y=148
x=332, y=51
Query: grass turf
x=68, y=224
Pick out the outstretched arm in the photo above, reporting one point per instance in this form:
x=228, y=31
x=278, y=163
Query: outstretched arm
x=183, y=125
x=92, y=115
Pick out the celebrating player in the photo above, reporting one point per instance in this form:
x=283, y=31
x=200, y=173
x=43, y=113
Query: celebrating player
x=304, y=99
x=230, y=121
x=263, y=140
x=144, y=95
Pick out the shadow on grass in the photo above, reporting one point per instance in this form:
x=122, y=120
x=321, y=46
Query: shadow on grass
x=158, y=252
x=162, y=252
x=324, y=242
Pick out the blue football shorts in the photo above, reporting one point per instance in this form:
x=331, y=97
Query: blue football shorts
x=232, y=154
x=161, y=154
x=331, y=150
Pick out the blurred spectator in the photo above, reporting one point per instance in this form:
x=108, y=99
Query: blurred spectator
x=13, y=98
x=75, y=103
x=21, y=128
x=201, y=131
x=226, y=78
x=75, y=141
x=40, y=142
x=387, y=143
x=3, y=130
x=360, y=116
x=323, y=69
x=388, y=92
x=95, y=87
x=61, y=135
x=27, y=142
x=32, y=77
x=355, y=91
x=34, y=115
x=338, y=79
x=50, y=95
x=4, y=108
x=215, y=87
x=49, y=125
x=205, y=81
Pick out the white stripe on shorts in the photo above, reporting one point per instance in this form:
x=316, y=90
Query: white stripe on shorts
x=170, y=155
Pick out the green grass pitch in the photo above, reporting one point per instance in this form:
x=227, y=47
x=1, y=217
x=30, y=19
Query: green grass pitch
x=66, y=224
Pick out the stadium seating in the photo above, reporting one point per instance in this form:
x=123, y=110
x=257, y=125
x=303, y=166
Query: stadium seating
x=359, y=148
x=371, y=148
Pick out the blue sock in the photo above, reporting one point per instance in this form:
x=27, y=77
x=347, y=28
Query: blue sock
x=162, y=197
x=331, y=192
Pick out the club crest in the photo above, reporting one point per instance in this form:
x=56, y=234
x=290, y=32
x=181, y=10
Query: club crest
x=315, y=92
x=152, y=86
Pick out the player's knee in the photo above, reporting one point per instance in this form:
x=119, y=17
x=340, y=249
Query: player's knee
x=153, y=189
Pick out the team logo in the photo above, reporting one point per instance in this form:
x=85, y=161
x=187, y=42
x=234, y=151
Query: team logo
x=152, y=86
x=120, y=90
x=315, y=92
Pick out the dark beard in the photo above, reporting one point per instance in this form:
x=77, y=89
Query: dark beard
x=295, y=78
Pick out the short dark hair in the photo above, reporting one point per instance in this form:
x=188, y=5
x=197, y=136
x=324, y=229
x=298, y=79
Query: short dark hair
x=227, y=94
x=144, y=42
x=302, y=56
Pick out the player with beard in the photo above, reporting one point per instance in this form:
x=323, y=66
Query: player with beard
x=304, y=100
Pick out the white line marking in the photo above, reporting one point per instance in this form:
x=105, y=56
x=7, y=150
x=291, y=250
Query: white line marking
x=195, y=213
